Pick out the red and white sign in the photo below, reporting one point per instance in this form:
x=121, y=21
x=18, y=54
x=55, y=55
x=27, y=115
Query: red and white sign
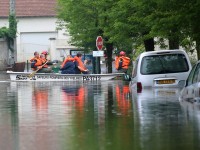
x=99, y=42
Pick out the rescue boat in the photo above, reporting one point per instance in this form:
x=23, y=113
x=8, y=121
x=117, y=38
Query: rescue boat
x=25, y=76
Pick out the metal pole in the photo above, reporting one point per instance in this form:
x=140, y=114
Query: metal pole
x=27, y=66
x=12, y=6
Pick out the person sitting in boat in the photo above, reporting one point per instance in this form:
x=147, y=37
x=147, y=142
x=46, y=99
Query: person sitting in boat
x=122, y=62
x=45, y=53
x=68, y=66
x=45, y=68
x=79, y=65
x=37, y=63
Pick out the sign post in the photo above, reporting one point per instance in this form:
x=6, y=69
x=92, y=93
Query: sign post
x=99, y=45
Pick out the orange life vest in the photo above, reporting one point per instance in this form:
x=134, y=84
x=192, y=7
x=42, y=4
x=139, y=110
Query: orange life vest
x=125, y=62
x=117, y=59
x=80, y=64
x=38, y=62
x=66, y=60
x=43, y=62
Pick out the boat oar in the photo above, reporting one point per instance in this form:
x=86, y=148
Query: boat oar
x=34, y=72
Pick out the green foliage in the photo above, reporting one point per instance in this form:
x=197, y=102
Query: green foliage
x=127, y=23
x=12, y=26
x=80, y=20
x=10, y=33
x=4, y=32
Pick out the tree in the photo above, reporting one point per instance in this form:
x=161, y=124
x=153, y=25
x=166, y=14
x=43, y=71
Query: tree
x=85, y=21
x=125, y=24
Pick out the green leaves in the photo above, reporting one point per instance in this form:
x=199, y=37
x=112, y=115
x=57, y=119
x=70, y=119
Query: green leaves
x=10, y=33
x=127, y=23
x=4, y=32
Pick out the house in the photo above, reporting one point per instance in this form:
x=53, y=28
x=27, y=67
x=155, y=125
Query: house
x=36, y=28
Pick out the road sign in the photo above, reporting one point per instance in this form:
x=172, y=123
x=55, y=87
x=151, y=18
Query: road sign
x=99, y=42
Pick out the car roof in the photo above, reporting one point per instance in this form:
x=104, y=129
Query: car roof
x=158, y=52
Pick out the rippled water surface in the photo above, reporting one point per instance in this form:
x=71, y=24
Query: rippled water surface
x=94, y=116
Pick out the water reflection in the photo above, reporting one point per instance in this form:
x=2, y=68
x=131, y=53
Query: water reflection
x=65, y=115
x=74, y=96
x=95, y=115
x=161, y=123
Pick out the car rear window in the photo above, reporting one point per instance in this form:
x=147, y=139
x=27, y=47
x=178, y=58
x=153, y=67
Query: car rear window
x=161, y=64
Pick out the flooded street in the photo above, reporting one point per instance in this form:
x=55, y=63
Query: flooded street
x=94, y=116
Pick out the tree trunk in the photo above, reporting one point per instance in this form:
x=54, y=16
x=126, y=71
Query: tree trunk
x=174, y=43
x=198, y=48
x=149, y=44
x=109, y=49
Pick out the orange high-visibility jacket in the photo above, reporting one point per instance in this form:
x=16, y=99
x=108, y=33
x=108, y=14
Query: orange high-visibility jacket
x=38, y=62
x=117, y=59
x=80, y=64
x=66, y=60
x=125, y=60
x=44, y=61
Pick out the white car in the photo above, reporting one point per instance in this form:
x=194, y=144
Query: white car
x=191, y=90
x=163, y=68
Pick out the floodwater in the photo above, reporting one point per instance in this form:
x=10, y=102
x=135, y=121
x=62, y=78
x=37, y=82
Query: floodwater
x=94, y=116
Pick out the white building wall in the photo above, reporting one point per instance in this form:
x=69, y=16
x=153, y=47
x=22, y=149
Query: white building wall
x=33, y=34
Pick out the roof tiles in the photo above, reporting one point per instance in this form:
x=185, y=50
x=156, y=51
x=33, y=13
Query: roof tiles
x=29, y=8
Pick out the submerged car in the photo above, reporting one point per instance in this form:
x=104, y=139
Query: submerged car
x=191, y=90
x=163, y=68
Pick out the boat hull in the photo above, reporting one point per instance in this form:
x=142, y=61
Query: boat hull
x=23, y=76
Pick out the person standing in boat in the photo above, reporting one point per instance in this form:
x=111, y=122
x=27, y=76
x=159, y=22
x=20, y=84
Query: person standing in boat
x=122, y=62
x=68, y=66
x=79, y=65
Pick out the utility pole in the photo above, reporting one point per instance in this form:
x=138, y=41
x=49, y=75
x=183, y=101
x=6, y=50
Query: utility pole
x=12, y=7
x=12, y=43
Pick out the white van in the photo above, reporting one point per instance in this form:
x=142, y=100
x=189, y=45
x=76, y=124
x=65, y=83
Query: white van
x=163, y=68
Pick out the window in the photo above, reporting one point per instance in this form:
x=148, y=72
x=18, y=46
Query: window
x=134, y=72
x=162, y=64
x=190, y=77
x=196, y=74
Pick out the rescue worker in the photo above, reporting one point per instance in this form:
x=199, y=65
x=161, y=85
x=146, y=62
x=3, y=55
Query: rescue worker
x=122, y=62
x=68, y=58
x=45, y=68
x=79, y=65
x=45, y=53
x=68, y=66
x=36, y=62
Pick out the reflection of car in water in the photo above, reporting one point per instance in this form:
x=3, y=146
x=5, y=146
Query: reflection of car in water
x=156, y=93
x=152, y=106
x=191, y=109
x=164, y=68
x=191, y=90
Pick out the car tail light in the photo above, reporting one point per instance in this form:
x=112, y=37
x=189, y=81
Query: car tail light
x=139, y=87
